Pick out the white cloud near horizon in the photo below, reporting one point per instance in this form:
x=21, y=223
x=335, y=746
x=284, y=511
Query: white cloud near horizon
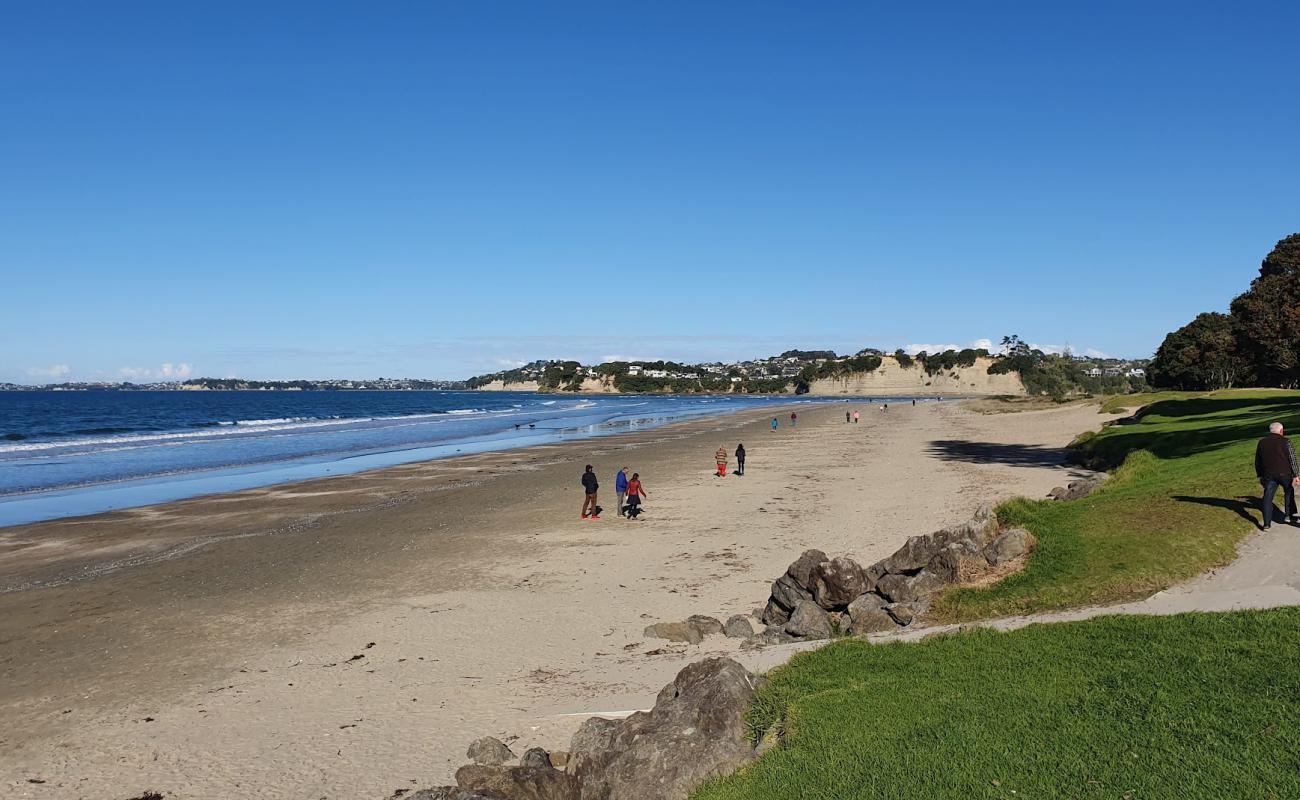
x=988, y=344
x=52, y=371
x=167, y=371
x=607, y=359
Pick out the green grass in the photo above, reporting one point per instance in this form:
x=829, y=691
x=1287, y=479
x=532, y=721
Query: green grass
x=1184, y=496
x=1194, y=707
x=1199, y=706
x=1125, y=402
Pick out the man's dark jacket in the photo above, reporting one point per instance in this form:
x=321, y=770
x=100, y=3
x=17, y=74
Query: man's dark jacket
x=589, y=482
x=1275, y=457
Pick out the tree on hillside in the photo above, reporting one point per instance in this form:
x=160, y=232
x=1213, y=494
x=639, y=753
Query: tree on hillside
x=1266, y=319
x=1200, y=355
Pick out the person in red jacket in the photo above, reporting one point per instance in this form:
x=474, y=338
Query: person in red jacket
x=635, y=491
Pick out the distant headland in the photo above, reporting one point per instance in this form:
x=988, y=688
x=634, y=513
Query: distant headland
x=1017, y=369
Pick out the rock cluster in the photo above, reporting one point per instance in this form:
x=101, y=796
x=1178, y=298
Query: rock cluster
x=817, y=594
x=1076, y=489
x=696, y=731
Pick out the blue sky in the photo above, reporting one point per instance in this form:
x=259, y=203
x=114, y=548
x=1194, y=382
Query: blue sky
x=440, y=189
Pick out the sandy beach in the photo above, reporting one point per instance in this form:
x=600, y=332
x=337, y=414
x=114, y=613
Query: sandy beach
x=347, y=637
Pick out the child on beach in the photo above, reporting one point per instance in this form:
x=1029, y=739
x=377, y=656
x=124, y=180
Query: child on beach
x=635, y=491
x=721, y=457
x=855, y=415
x=794, y=419
x=740, y=459
x=774, y=423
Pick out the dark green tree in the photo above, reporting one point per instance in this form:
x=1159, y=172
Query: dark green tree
x=1200, y=355
x=1266, y=319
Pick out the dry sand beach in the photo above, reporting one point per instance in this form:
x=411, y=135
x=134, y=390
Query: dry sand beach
x=347, y=637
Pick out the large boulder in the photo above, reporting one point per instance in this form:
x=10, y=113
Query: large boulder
x=837, y=582
x=910, y=588
x=774, y=614
x=801, y=569
x=706, y=625
x=946, y=566
x=740, y=626
x=867, y=615
x=915, y=553
x=775, y=634
x=1077, y=489
x=489, y=751
x=787, y=593
x=535, y=757
x=1011, y=544
x=809, y=621
x=594, y=735
x=675, y=632
x=902, y=613
x=518, y=783
x=969, y=537
x=695, y=732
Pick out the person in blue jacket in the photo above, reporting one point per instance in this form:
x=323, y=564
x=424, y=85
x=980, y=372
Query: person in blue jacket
x=620, y=488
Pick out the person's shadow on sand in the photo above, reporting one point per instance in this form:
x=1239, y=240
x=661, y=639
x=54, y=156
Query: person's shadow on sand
x=1241, y=506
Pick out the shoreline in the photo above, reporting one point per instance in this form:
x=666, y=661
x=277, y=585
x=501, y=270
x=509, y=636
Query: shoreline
x=492, y=608
x=65, y=502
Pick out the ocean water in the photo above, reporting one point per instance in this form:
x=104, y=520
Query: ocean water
x=73, y=453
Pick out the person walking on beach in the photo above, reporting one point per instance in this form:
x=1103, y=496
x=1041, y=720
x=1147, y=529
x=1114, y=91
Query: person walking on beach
x=635, y=491
x=774, y=423
x=794, y=419
x=855, y=416
x=847, y=416
x=740, y=459
x=721, y=458
x=589, y=486
x=620, y=488
x=1275, y=465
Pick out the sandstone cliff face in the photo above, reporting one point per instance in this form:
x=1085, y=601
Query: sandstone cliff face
x=501, y=386
x=589, y=386
x=887, y=380
x=891, y=379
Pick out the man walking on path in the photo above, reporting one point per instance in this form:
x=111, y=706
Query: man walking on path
x=589, y=486
x=620, y=488
x=1275, y=466
x=721, y=457
x=740, y=459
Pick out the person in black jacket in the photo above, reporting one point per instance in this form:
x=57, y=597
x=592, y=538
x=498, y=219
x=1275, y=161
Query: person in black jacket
x=589, y=486
x=1275, y=465
x=740, y=459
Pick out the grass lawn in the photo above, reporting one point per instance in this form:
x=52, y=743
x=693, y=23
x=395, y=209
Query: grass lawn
x=1137, y=708
x=1185, y=495
x=1131, y=402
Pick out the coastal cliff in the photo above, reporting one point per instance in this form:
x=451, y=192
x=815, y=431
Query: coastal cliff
x=892, y=379
x=589, y=386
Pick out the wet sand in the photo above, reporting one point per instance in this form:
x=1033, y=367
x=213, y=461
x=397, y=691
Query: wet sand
x=346, y=637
